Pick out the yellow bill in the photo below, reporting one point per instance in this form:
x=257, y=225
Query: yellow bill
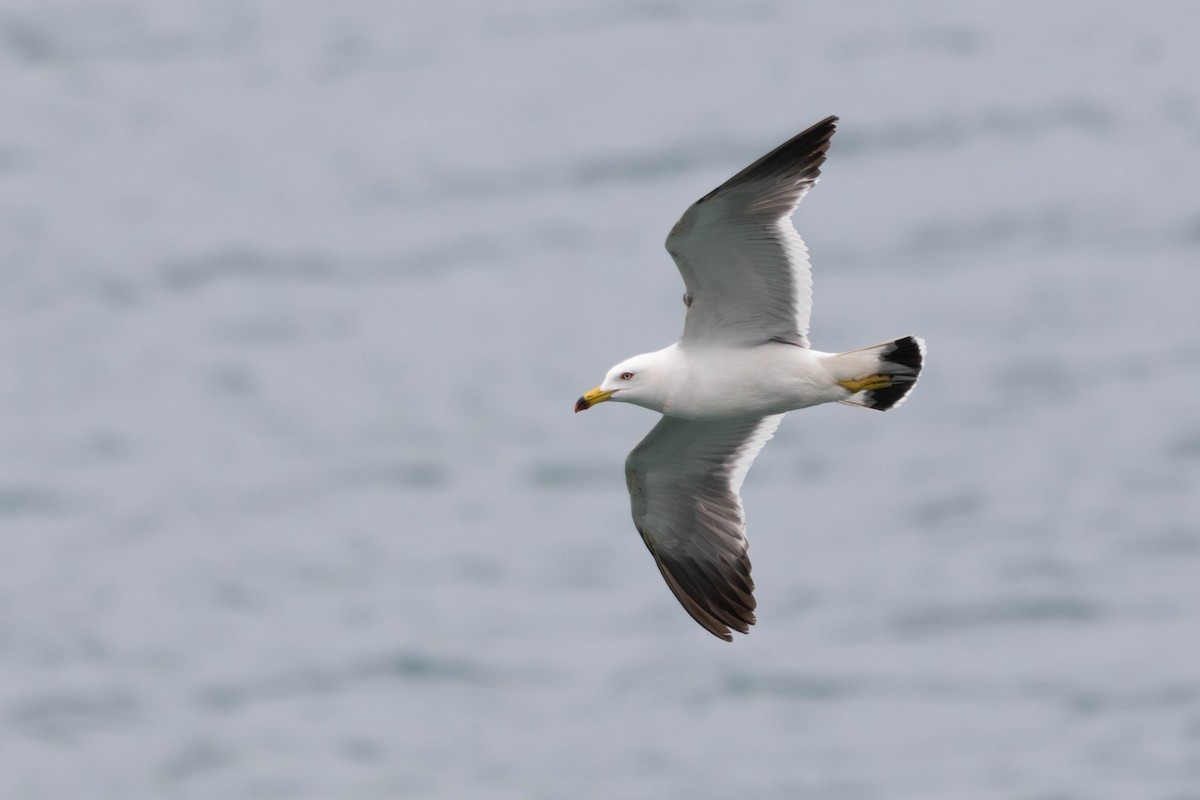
x=590, y=399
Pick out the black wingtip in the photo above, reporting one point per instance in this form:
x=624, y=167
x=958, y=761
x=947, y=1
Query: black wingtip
x=800, y=158
x=803, y=153
x=719, y=609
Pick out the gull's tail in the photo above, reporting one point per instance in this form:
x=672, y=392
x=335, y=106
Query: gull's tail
x=880, y=377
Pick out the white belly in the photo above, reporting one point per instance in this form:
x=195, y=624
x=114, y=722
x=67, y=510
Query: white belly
x=752, y=382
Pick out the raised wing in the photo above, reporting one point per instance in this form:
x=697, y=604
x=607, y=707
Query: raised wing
x=684, y=479
x=745, y=267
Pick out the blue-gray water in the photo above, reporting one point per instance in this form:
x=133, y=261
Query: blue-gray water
x=295, y=300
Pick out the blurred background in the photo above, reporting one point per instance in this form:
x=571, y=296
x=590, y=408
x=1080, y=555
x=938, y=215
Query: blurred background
x=295, y=301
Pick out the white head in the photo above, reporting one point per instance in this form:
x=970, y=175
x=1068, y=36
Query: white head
x=642, y=380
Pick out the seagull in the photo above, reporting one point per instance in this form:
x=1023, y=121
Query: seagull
x=744, y=360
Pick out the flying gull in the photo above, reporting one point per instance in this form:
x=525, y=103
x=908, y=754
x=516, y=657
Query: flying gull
x=743, y=361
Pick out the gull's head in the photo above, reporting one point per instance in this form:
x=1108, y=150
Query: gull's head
x=639, y=380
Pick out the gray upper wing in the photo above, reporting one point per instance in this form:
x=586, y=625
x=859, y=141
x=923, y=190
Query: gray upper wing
x=684, y=479
x=744, y=265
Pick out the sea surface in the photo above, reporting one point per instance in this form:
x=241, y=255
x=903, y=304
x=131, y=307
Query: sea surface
x=295, y=302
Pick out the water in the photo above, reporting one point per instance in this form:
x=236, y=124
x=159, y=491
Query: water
x=296, y=302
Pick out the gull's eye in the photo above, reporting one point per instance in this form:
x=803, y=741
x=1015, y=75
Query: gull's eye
x=626, y=376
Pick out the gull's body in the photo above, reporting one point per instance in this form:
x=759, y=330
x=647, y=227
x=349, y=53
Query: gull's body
x=771, y=378
x=743, y=361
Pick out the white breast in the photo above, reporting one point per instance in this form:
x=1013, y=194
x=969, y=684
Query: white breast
x=749, y=382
